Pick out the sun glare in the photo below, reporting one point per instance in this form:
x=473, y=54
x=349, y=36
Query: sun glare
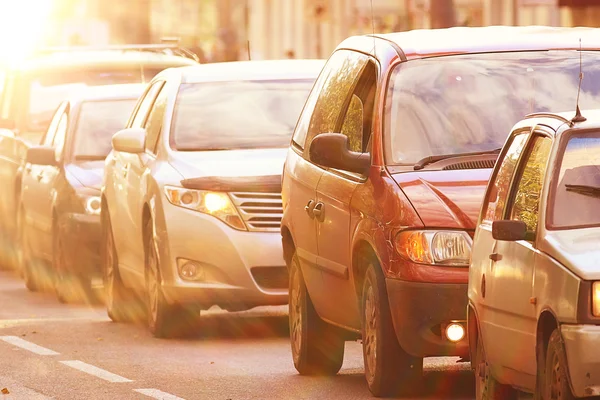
x=22, y=26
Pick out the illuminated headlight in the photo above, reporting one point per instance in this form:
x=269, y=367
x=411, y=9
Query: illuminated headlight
x=596, y=299
x=450, y=248
x=217, y=204
x=91, y=201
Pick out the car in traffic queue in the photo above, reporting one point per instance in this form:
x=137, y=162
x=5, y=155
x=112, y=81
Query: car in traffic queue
x=32, y=88
x=384, y=181
x=191, y=199
x=59, y=209
x=534, y=283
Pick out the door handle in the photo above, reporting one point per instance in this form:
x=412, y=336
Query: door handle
x=309, y=208
x=495, y=257
x=318, y=212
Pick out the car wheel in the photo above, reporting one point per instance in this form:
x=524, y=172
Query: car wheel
x=317, y=347
x=164, y=319
x=556, y=379
x=389, y=370
x=121, y=304
x=486, y=386
x=30, y=276
x=69, y=285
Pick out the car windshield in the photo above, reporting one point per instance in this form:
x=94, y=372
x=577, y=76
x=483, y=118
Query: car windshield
x=469, y=103
x=48, y=89
x=576, y=194
x=237, y=114
x=97, y=122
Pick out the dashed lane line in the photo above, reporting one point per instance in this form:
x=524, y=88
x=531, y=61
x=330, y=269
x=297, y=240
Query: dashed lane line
x=95, y=371
x=32, y=347
x=157, y=394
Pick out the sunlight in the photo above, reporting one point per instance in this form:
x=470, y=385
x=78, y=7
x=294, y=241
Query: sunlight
x=22, y=25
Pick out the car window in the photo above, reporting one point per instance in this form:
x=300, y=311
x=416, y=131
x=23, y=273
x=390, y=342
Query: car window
x=526, y=199
x=494, y=204
x=141, y=112
x=154, y=122
x=335, y=94
x=51, y=131
x=60, y=136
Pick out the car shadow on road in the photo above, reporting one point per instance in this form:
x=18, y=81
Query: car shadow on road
x=239, y=325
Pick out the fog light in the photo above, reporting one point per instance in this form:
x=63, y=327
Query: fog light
x=455, y=332
x=191, y=271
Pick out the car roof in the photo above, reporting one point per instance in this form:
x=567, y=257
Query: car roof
x=107, y=92
x=423, y=43
x=251, y=70
x=100, y=59
x=561, y=122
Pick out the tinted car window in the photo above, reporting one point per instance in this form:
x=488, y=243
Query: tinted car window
x=493, y=208
x=527, y=197
x=155, y=120
x=575, y=198
x=469, y=103
x=237, y=115
x=97, y=122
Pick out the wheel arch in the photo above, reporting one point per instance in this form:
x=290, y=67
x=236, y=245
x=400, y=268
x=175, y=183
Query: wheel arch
x=288, y=244
x=362, y=250
x=547, y=323
x=473, y=330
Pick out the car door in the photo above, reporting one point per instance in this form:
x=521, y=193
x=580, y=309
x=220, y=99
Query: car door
x=513, y=316
x=128, y=248
x=33, y=186
x=335, y=191
x=304, y=177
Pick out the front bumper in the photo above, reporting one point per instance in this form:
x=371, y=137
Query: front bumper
x=582, y=345
x=242, y=269
x=419, y=311
x=82, y=236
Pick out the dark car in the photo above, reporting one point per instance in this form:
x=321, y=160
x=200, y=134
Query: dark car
x=384, y=180
x=31, y=90
x=59, y=208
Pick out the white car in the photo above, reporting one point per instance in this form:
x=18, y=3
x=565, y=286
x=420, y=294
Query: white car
x=534, y=283
x=191, y=202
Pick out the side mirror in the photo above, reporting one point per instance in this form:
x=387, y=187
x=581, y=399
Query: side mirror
x=7, y=124
x=509, y=230
x=331, y=150
x=131, y=140
x=41, y=155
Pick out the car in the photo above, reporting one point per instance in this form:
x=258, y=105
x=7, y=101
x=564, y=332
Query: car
x=534, y=283
x=32, y=88
x=59, y=209
x=191, y=199
x=384, y=181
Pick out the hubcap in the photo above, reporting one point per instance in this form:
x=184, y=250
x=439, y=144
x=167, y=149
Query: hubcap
x=370, y=339
x=555, y=383
x=295, y=314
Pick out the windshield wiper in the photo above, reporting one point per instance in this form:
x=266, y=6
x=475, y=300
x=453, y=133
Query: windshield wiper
x=586, y=190
x=432, y=159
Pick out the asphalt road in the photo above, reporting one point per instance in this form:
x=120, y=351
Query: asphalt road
x=51, y=350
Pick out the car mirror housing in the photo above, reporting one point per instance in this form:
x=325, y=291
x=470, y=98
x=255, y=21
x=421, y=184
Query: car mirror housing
x=509, y=230
x=332, y=150
x=41, y=155
x=130, y=140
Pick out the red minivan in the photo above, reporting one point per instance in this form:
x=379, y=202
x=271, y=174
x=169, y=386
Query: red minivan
x=384, y=181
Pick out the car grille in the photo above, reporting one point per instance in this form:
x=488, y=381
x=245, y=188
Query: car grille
x=260, y=211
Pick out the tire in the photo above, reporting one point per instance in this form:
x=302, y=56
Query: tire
x=486, y=386
x=69, y=285
x=164, y=320
x=30, y=276
x=556, y=379
x=389, y=370
x=121, y=304
x=317, y=347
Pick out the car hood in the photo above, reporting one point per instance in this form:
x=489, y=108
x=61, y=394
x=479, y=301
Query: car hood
x=576, y=249
x=88, y=173
x=229, y=163
x=445, y=199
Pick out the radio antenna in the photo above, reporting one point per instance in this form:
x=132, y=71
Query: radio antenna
x=578, y=117
x=373, y=26
x=248, y=48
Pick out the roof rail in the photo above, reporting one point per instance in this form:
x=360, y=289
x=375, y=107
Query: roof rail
x=547, y=115
x=166, y=48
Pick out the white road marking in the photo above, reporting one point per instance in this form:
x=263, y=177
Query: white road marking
x=97, y=372
x=157, y=394
x=32, y=347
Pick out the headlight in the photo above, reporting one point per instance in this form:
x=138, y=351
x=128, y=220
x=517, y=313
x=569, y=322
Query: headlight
x=91, y=201
x=451, y=248
x=217, y=204
x=596, y=299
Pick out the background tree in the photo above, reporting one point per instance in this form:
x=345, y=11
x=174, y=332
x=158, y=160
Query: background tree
x=442, y=14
